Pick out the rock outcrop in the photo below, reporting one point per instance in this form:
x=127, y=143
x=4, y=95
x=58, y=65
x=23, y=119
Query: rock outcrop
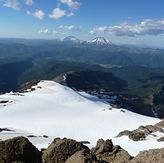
x=105, y=151
x=161, y=139
x=137, y=135
x=82, y=157
x=141, y=132
x=61, y=149
x=19, y=149
x=28, y=86
x=150, y=156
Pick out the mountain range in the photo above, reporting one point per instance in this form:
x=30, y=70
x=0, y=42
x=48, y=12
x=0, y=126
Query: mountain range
x=134, y=75
x=96, y=51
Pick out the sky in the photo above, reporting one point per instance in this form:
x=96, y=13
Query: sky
x=136, y=22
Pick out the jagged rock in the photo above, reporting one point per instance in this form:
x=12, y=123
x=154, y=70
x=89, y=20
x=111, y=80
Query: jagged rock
x=123, y=133
x=45, y=136
x=19, y=149
x=82, y=157
x=5, y=129
x=61, y=149
x=150, y=129
x=103, y=146
x=141, y=132
x=161, y=139
x=146, y=129
x=136, y=136
x=106, y=152
x=24, y=87
x=84, y=142
x=150, y=156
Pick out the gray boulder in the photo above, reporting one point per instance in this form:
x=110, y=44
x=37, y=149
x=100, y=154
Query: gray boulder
x=137, y=135
x=105, y=151
x=19, y=149
x=82, y=157
x=61, y=149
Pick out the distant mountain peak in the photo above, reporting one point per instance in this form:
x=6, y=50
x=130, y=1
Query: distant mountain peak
x=95, y=41
x=72, y=39
x=101, y=41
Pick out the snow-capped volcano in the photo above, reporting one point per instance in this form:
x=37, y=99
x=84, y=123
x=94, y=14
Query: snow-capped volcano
x=58, y=111
x=95, y=41
x=100, y=41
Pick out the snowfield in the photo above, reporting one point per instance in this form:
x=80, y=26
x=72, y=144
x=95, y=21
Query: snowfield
x=58, y=111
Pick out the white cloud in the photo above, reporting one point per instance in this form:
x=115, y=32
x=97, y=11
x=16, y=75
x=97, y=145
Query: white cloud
x=39, y=14
x=48, y=32
x=146, y=27
x=71, y=3
x=14, y=4
x=69, y=27
x=29, y=2
x=57, y=13
x=45, y=31
x=70, y=14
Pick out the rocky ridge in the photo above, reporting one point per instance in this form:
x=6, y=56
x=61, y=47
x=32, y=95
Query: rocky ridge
x=143, y=131
x=19, y=149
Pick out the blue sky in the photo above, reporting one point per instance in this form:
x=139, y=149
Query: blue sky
x=121, y=21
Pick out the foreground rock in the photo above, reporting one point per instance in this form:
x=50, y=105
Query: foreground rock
x=105, y=151
x=82, y=157
x=71, y=151
x=61, y=149
x=19, y=149
x=150, y=156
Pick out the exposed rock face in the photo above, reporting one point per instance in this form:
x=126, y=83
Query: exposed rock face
x=148, y=129
x=103, y=146
x=70, y=151
x=19, y=149
x=161, y=139
x=124, y=133
x=106, y=152
x=61, y=149
x=137, y=135
x=141, y=132
x=82, y=157
x=150, y=156
x=23, y=88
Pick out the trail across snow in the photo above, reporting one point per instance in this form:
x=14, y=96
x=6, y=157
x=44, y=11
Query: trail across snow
x=58, y=111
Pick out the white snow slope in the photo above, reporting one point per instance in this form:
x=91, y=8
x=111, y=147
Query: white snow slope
x=58, y=111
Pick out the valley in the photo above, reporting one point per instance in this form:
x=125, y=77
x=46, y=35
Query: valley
x=137, y=87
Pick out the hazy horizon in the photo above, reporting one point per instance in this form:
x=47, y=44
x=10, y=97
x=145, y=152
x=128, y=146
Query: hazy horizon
x=122, y=22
